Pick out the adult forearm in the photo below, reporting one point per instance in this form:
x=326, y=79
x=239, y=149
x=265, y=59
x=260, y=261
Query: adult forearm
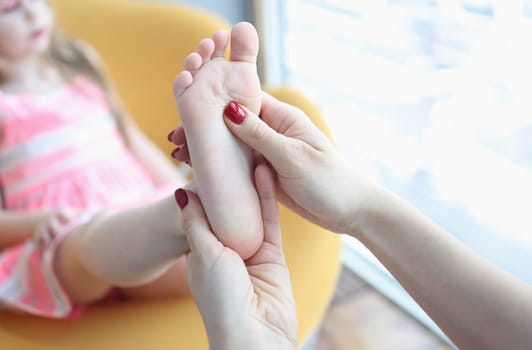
x=476, y=304
x=15, y=227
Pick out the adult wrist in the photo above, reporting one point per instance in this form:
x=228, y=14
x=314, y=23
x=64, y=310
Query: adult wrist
x=374, y=207
x=243, y=336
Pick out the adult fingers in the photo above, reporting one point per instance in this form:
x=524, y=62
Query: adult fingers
x=181, y=154
x=177, y=136
x=248, y=127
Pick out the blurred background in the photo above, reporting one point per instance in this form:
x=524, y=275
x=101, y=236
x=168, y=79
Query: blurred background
x=432, y=98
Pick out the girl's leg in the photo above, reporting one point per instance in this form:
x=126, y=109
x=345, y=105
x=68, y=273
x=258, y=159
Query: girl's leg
x=172, y=283
x=125, y=249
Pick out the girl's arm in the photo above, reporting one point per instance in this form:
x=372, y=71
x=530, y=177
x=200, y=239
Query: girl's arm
x=15, y=227
x=478, y=305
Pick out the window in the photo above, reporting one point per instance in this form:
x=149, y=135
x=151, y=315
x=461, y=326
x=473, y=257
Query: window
x=433, y=99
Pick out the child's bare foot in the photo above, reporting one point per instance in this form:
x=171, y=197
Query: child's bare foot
x=222, y=164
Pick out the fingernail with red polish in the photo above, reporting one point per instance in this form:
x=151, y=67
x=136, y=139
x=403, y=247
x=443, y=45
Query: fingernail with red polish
x=235, y=112
x=174, y=152
x=181, y=198
x=170, y=135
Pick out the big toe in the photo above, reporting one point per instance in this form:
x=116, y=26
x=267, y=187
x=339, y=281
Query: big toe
x=244, y=43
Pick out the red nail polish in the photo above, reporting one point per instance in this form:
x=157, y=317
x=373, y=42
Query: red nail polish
x=235, y=112
x=174, y=152
x=170, y=135
x=181, y=198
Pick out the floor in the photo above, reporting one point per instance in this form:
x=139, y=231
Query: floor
x=361, y=318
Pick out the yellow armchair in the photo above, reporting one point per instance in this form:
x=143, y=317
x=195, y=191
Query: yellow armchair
x=143, y=46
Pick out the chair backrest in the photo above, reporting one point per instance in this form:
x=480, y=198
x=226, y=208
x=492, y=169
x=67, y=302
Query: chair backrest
x=143, y=46
x=142, y=69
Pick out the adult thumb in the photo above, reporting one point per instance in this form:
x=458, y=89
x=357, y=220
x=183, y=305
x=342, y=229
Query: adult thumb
x=253, y=131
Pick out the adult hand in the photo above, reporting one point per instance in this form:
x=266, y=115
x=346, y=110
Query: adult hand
x=243, y=304
x=313, y=179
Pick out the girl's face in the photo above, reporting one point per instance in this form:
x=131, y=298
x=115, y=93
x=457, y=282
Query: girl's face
x=25, y=28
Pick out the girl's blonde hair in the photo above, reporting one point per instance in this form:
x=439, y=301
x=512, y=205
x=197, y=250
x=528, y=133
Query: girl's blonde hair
x=73, y=57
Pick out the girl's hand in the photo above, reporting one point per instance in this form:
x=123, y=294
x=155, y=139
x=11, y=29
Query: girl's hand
x=50, y=227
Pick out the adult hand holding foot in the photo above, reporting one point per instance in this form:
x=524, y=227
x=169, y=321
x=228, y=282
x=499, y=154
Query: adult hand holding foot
x=478, y=305
x=313, y=179
x=244, y=305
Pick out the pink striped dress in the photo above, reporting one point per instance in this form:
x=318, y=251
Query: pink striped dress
x=60, y=149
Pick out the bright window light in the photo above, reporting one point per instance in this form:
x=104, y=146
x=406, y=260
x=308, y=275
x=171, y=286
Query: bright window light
x=434, y=100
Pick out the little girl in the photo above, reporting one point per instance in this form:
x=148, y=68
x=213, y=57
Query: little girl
x=68, y=151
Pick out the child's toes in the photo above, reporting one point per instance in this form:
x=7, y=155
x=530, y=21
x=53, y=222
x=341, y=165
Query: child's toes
x=182, y=82
x=244, y=43
x=220, y=39
x=205, y=49
x=192, y=62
